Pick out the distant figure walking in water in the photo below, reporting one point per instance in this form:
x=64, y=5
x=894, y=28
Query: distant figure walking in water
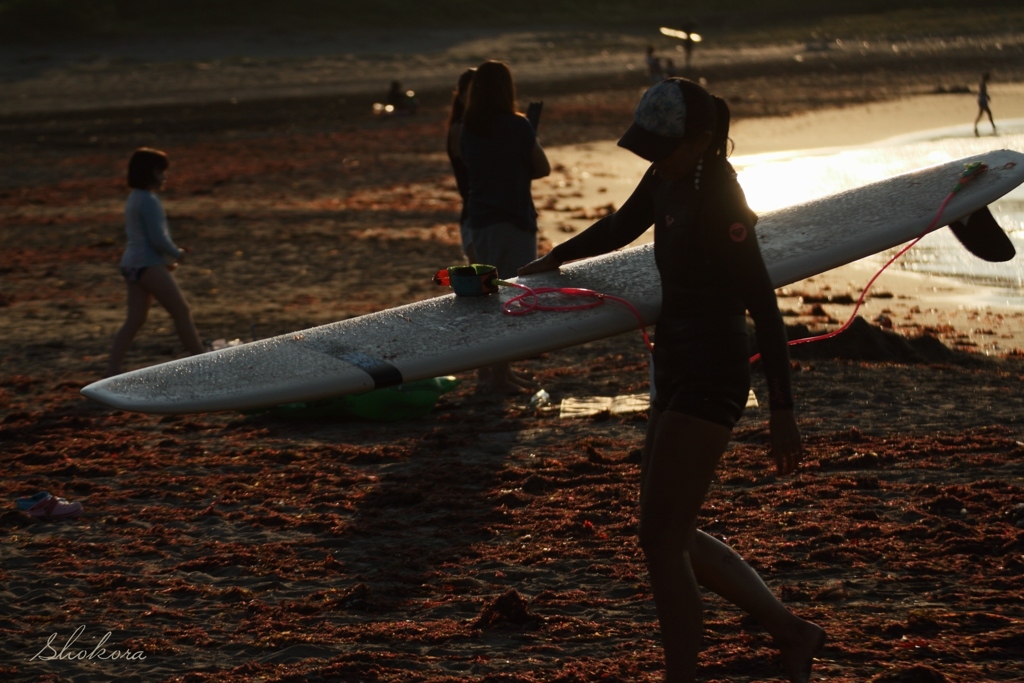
x=983, y=108
x=149, y=258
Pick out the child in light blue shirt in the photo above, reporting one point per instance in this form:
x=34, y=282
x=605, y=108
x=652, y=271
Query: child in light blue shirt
x=149, y=258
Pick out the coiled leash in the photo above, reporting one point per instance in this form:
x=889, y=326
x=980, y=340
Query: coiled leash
x=480, y=280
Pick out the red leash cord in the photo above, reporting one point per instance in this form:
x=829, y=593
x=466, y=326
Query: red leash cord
x=970, y=173
x=529, y=300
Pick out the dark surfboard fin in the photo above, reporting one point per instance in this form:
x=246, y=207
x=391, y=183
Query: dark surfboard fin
x=983, y=237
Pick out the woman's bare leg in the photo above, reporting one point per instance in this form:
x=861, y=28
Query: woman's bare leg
x=678, y=469
x=982, y=111
x=138, y=308
x=715, y=566
x=159, y=282
x=720, y=569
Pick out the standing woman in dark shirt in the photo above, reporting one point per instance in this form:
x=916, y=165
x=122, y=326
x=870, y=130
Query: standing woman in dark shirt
x=711, y=272
x=502, y=156
x=455, y=117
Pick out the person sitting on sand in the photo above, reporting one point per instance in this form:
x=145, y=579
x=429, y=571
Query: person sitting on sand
x=401, y=101
x=712, y=272
x=502, y=155
x=983, y=107
x=149, y=258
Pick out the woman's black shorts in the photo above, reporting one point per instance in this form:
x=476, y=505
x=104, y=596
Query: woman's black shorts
x=702, y=368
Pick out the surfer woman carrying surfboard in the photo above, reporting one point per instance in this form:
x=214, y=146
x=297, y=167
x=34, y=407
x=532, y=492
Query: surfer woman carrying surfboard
x=712, y=272
x=149, y=258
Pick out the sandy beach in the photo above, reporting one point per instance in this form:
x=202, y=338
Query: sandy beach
x=489, y=540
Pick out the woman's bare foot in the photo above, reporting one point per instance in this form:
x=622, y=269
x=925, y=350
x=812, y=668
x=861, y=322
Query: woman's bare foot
x=797, y=650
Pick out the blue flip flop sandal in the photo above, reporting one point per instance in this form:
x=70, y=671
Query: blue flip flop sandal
x=28, y=501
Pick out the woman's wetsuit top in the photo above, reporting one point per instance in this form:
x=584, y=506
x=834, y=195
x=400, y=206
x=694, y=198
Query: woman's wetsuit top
x=707, y=256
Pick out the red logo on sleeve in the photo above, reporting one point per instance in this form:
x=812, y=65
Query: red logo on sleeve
x=737, y=232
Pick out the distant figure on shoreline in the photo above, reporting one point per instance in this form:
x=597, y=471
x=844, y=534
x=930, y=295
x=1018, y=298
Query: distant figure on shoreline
x=654, y=72
x=690, y=42
x=149, y=258
x=983, y=107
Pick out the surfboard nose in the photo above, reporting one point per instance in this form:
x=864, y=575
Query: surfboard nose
x=102, y=391
x=981, y=235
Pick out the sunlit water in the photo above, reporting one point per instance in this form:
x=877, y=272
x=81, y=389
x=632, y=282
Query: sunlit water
x=781, y=179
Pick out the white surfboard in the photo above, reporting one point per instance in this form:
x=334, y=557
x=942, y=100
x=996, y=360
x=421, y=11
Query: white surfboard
x=450, y=334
